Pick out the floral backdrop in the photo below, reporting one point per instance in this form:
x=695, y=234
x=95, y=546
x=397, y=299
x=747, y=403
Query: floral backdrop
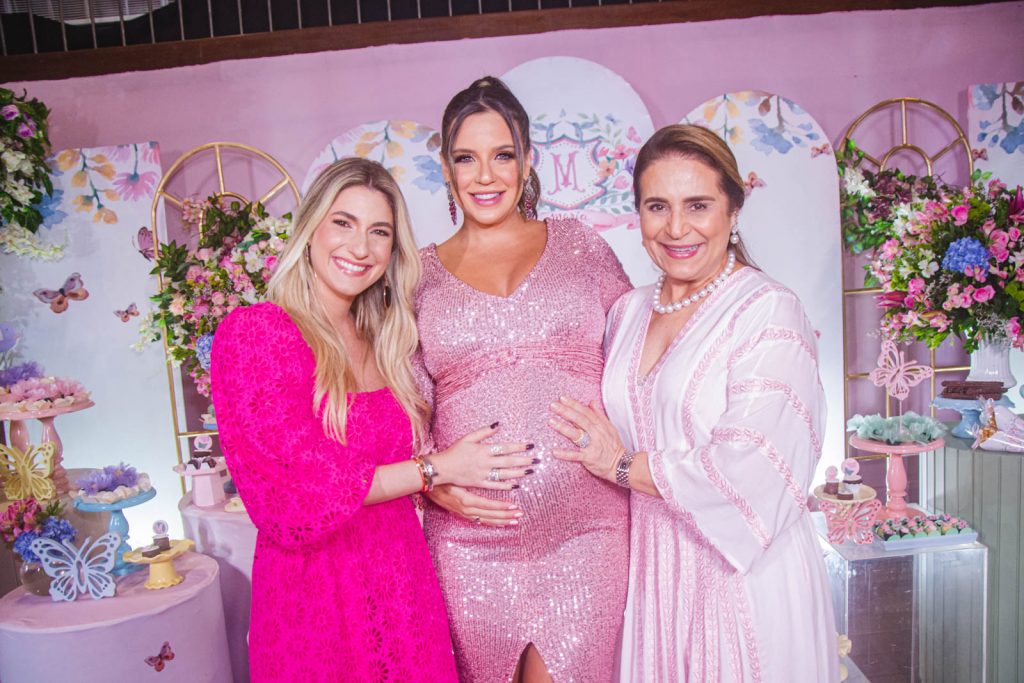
x=78, y=316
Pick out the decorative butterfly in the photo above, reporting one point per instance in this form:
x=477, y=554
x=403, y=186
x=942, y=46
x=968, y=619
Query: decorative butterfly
x=752, y=182
x=823, y=149
x=166, y=655
x=28, y=472
x=127, y=314
x=896, y=373
x=79, y=570
x=979, y=154
x=72, y=290
x=850, y=522
x=143, y=243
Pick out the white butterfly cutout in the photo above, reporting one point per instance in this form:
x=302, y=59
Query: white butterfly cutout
x=28, y=472
x=79, y=570
x=896, y=373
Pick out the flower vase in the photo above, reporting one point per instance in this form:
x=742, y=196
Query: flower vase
x=991, y=363
x=34, y=578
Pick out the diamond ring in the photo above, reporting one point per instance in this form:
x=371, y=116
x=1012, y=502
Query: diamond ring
x=495, y=449
x=494, y=474
x=584, y=439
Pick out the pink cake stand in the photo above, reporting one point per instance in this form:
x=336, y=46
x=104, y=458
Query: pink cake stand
x=896, y=475
x=19, y=435
x=207, y=483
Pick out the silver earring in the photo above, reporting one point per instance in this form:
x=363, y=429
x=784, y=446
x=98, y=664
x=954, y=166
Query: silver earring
x=734, y=237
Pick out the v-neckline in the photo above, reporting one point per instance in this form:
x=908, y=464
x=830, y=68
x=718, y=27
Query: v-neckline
x=679, y=336
x=529, y=274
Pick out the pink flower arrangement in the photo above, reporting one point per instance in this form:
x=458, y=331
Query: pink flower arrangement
x=41, y=393
x=948, y=263
x=231, y=266
x=21, y=516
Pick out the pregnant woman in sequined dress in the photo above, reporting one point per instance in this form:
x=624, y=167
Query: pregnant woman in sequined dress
x=511, y=314
x=318, y=412
x=715, y=416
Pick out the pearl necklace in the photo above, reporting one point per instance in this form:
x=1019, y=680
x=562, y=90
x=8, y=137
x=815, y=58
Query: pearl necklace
x=696, y=296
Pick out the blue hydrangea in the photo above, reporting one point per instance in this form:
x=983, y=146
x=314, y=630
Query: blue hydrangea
x=203, y=346
x=22, y=546
x=58, y=529
x=965, y=252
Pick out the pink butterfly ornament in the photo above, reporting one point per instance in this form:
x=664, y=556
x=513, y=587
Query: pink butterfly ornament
x=850, y=522
x=897, y=374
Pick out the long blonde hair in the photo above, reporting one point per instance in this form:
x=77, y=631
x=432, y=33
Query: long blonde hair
x=389, y=329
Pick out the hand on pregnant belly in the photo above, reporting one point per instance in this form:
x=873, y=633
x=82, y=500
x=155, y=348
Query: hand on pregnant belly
x=495, y=466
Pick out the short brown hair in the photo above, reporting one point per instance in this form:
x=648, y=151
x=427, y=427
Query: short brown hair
x=491, y=94
x=688, y=141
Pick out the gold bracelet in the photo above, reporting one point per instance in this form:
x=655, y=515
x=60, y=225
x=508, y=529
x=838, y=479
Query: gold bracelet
x=427, y=472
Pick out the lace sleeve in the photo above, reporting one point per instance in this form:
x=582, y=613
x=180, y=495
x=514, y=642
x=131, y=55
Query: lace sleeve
x=298, y=485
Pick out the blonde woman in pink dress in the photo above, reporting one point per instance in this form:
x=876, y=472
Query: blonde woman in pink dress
x=511, y=312
x=318, y=413
x=714, y=420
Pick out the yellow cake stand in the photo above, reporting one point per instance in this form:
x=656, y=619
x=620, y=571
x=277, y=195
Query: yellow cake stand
x=162, y=573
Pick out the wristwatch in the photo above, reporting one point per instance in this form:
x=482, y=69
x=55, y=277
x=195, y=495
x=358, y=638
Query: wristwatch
x=622, y=468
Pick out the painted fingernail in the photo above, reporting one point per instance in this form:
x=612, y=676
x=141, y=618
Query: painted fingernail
x=518, y=515
x=529, y=446
x=536, y=461
x=494, y=425
x=514, y=522
x=529, y=471
x=514, y=507
x=515, y=486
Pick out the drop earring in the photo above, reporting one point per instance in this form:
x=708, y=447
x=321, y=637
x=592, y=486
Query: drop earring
x=451, y=204
x=734, y=236
x=387, y=292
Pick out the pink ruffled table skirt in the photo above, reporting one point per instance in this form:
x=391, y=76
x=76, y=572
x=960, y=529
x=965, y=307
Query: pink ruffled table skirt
x=229, y=538
x=100, y=641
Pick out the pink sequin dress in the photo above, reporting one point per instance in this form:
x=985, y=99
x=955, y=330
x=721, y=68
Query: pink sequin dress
x=341, y=592
x=559, y=579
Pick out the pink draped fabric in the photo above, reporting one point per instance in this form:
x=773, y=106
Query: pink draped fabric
x=727, y=581
x=559, y=579
x=341, y=592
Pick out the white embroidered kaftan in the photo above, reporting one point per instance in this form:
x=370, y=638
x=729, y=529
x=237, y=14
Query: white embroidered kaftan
x=726, y=579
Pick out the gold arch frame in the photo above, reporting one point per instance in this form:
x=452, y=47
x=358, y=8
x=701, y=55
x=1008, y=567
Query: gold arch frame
x=161, y=193
x=960, y=139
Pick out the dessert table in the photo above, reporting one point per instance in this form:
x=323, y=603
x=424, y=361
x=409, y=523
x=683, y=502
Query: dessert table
x=99, y=641
x=230, y=539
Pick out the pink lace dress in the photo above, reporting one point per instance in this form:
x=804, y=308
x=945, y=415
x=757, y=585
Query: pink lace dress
x=341, y=592
x=559, y=579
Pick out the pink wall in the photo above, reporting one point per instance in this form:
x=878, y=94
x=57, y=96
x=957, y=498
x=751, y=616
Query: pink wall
x=835, y=65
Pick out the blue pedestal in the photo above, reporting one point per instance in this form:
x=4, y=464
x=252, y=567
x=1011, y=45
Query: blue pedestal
x=118, y=524
x=970, y=412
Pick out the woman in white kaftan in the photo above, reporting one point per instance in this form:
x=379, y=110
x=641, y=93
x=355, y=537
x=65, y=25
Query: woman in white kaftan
x=714, y=420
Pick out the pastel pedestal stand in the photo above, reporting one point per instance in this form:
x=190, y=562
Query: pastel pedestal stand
x=970, y=412
x=162, y=573
x=843, y=515
x=896, y=475
x=118, y=524
x=207, y=483
x=20, y=439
